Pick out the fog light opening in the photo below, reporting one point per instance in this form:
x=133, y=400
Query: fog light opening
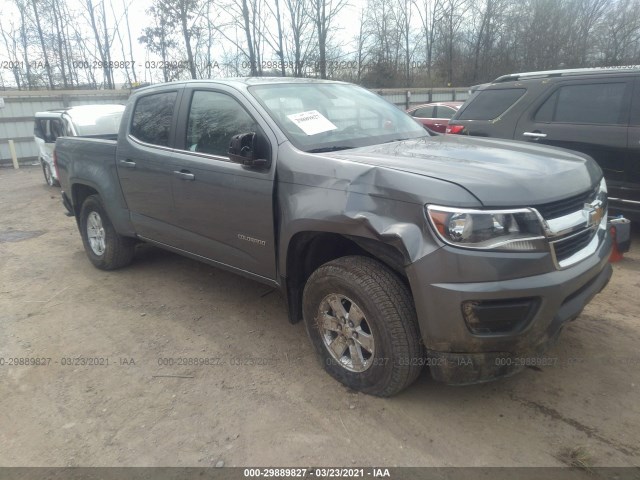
x=490, y=317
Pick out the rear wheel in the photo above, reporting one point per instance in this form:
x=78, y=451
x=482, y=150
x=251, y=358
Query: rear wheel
x=48, y=176
x=105, y=248
x=360, y=318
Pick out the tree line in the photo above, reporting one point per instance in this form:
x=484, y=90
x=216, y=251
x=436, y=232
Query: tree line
x=64, y=44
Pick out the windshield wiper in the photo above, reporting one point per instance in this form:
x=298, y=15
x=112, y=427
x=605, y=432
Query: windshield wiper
x=333, y=148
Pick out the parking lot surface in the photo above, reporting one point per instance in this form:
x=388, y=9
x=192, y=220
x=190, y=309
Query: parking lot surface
x=170, y=362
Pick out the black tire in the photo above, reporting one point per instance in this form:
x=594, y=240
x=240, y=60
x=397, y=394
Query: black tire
x=388, y=315
x=48, y=175
x=116, y=251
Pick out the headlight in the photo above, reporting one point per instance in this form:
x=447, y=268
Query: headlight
x=509, y=230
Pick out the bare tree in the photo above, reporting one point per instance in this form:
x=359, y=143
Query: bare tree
x=126, y=21
x=119, y=35
x=47, y=66
x=22, y=9
x=66, y=19
x=52, y=42
x=323, y=14
x=581, y=18
x=99, y=39
x=60, y=41
x=247, y=22
x=11, y=45
x=300, y=35
x=84, y=55
x=404, y=28
x=362, y=52
x=451, y=24
x=185, y=11
x=248, y=31
x=621, y=33
x=487, y=14
x=430, y=13
x=107, y=44
x=158, y=39
x=206, y=43
x=276, y=41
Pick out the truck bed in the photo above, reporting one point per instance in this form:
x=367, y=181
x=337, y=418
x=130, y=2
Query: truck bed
x=85, y=158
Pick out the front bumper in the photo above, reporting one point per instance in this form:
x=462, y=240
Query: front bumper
x=455, y=355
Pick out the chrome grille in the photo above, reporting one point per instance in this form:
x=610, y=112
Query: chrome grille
x=572, y=244
x=572, y=226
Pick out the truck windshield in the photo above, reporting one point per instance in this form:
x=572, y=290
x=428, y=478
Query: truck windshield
x=319, y=117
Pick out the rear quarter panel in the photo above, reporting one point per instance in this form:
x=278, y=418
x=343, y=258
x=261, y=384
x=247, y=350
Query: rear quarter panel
x=91, y=162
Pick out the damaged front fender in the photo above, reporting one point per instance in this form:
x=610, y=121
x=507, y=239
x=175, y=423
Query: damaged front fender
x=359, y=201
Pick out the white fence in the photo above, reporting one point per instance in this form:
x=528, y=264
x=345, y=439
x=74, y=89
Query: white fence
x=16, y=117
x=404, y=97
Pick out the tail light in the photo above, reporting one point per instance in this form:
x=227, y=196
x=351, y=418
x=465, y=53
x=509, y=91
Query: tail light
x=454, y=129
x=55, y=164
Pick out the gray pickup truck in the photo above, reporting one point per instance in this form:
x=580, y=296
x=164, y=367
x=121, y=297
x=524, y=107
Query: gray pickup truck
x=398, y=249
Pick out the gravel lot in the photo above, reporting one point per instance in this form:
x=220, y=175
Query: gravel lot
x=276, y=406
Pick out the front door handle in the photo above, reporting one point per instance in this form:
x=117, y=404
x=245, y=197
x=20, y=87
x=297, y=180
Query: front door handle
x=128, y=163
x=184, y=174
x=534, y=135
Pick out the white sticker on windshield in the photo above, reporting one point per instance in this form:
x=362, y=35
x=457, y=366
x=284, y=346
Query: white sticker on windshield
x=312, y=122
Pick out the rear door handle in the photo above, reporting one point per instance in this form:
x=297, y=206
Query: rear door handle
x=534, y=135
x=184, y=174
x=128, y=163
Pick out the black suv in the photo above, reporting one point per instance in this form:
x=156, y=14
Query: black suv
x=595, y=111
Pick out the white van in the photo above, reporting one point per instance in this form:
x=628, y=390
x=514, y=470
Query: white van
x=102, y=121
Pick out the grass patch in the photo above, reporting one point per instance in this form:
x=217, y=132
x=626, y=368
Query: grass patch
x=578, y=457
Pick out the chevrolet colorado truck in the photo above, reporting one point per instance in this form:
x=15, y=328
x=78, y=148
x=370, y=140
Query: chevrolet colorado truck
x=398, y=249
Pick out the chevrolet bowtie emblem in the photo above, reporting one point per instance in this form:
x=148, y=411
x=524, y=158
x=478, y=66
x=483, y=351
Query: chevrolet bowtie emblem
x=593, y=213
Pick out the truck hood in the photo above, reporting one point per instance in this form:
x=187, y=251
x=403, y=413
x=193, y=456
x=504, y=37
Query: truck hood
x=497, y=172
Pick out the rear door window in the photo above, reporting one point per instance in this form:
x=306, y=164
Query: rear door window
x=635, y=110
x=444, y=112
x=490, y=104
x=424, y=112
x=596, y=103
x=152, y=118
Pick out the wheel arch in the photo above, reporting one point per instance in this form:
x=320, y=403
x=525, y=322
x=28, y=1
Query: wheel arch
x=308, y=250
x=118, y=216
x=79, y=193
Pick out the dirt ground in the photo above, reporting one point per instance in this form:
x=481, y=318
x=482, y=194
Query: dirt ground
x=264, y=400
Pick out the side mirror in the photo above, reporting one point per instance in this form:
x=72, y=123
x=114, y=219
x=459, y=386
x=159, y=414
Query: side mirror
x=243, y=149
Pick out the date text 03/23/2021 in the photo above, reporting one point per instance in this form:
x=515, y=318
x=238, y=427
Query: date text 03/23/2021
x=324, y=472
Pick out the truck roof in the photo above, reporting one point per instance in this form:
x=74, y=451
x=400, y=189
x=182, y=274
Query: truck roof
x=242, y=81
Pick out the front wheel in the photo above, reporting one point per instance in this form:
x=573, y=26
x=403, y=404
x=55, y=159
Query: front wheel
x=105, y=248
x=361, y=320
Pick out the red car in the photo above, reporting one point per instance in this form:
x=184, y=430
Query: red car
x=435, y=116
